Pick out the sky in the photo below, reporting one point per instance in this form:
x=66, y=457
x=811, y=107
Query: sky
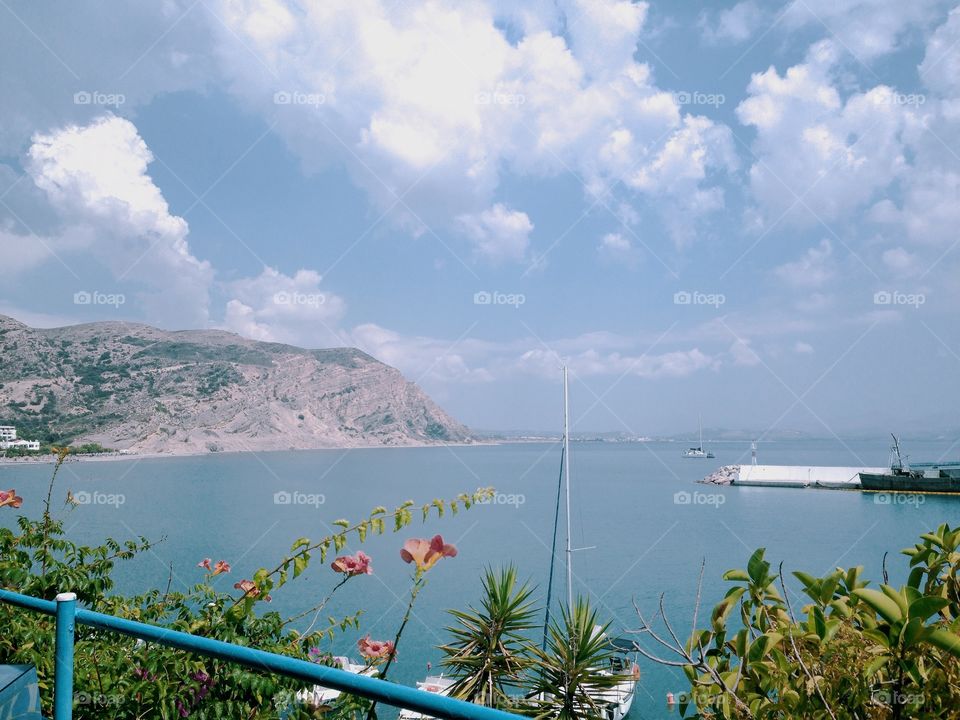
x=748, y=210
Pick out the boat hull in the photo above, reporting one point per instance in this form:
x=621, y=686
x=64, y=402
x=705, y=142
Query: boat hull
x=909, y=483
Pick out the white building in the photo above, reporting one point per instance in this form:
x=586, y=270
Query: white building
x=9, y=441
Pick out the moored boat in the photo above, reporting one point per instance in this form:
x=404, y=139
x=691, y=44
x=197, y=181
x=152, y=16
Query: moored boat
x=922, y=477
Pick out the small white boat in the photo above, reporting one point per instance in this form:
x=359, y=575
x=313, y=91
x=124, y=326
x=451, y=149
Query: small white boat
x=432, y=684
x=323, y=698
x=698, y=452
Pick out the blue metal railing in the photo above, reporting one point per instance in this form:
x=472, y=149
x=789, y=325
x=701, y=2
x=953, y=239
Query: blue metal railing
x=68, y=615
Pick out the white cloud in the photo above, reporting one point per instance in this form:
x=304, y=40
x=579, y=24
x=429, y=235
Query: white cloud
x=615, y=248
x=96, y=177
x=820, y=158
x=901, y=261
x=812, y=270
x=591, y=362
x=867, y=28
x=743, y=354
x=802, y=348
x=282, y=308
x=429, y=105
x=940, y=69
x=498, y=234
x=734, y=24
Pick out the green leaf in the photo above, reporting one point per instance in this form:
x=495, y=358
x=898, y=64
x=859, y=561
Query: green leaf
x=926, y=606
x=943, y=639
x=757, y=567
x=883, y=605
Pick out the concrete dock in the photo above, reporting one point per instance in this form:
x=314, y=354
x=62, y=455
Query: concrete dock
x=799, y=476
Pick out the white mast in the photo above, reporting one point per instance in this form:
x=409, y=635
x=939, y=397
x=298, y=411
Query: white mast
x=700, y=423
x=566, y=477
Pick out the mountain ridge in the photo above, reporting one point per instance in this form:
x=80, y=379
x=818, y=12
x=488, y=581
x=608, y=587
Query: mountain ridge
x=140, y=388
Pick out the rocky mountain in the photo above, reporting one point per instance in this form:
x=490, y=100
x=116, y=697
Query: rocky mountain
x=132, y=386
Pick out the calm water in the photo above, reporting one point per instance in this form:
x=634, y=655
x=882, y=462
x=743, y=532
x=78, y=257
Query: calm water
x=645, y=543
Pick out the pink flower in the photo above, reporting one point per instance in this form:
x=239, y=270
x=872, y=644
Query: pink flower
x=10, y=497
x=375, y=649
x=358, y=564
x=426, y=553
x=205, y=564
x=222, y=566
x=250, y=589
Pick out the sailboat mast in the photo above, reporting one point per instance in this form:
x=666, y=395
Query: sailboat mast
x=566, y=482
x=700, y=424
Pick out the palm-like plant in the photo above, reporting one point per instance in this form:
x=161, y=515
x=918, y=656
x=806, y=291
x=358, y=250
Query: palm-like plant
x=575, y=667
x=490, y=652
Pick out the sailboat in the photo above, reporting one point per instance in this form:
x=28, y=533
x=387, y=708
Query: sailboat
x=615, y=701
x=698, y=452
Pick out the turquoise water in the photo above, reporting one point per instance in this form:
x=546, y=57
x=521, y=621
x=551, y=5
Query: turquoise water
x=222, y=506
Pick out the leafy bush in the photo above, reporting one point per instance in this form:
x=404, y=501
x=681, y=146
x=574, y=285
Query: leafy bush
x=854, y=652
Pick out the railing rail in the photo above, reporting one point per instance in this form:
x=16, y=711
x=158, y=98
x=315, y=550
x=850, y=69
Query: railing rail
x=68, y=615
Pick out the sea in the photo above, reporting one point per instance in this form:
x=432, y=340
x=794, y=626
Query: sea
x=642, y=527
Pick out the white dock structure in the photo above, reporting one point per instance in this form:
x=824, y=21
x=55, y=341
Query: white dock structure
x=798, y=476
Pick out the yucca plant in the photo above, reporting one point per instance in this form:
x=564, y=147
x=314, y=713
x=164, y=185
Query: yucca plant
x=574, y=669
x=490, y=653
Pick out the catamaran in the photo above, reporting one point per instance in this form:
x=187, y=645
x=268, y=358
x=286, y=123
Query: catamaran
x=698, y=452
x=323, y=698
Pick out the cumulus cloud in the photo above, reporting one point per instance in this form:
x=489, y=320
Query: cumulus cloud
x=820, y=157
x=96, y=177
x=680, y=363
x=282, y=308
x=429, y=105
x=812, y=270
x=735, y=24
x=615, y=248
x=498, y=234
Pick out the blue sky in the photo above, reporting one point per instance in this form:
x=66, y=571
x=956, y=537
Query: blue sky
x=746, y=209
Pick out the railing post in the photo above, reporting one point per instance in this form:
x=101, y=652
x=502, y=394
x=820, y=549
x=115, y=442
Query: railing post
x=63, y=660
